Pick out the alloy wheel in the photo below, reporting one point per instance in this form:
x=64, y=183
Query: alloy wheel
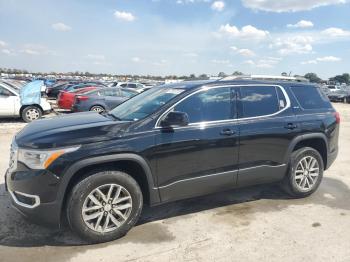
x=107, y=208
x=307, y=173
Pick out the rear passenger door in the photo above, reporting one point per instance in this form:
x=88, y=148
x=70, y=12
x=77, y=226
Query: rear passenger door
x=267, y=126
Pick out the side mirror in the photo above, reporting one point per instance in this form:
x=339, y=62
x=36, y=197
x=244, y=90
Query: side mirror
x=174, y=119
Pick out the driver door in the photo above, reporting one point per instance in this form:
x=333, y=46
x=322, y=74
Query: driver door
x=202, y=157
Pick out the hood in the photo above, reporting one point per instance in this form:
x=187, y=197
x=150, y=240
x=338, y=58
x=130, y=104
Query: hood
x=68, y=130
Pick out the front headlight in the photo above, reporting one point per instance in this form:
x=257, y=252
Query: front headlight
x=41, y=159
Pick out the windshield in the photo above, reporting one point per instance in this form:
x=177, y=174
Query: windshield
x=144, y=104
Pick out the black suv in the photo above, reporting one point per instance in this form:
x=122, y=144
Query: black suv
x=171, y=142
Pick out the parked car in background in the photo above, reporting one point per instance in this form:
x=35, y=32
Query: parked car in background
x=11, y=106
x=136, y=86
x=65, y=99
x=333, y=88
x=103, y=99
x=54, y=90
x=340, y=95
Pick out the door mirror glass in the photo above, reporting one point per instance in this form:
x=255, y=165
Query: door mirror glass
x=175, y=119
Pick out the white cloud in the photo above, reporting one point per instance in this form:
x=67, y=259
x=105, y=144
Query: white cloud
x=136, y=59
x=288, y=5
x=96, y=57
x=218, y=5
x=267, y=62
x=243, y=52
x=191, y=54
x=6, y=52
x=220, y=62
x=29, y=51
x=160, y=63
x=301, y=24
x=335, y=32
x=61, y=27
x=125, y=16
x=182, y=2
x=247, y=32
x=322, y=59
x=293, y=45
x=2, y=43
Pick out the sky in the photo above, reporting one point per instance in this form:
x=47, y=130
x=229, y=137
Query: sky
x=176, y=37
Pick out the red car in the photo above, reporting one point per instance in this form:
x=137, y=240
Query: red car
x=65, y=99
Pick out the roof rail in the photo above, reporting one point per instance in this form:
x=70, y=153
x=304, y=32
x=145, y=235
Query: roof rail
x=265, y=77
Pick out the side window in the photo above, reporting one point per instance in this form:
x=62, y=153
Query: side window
x=123, y=85
x=211, y=105
x=110, y=92
x=132, y=85
x=259, y=101
x=127, y=93
x=282, y=101
x=4, y=92
x=310, y=97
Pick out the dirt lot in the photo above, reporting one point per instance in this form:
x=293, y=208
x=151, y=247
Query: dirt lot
x=258, y=223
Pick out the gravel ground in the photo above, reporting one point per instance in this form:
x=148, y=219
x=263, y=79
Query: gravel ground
x=257, y=223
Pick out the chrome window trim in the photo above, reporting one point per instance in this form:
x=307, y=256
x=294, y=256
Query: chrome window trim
x=205, y=88
x=35, y=197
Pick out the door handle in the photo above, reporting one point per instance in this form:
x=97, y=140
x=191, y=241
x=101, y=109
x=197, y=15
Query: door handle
x=227, y=132
x=291, y=126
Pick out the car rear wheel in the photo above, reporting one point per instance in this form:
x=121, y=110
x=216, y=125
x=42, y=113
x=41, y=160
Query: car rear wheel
x=98, y=109
x=31, y=113
x=305, y=172
x=104, y=206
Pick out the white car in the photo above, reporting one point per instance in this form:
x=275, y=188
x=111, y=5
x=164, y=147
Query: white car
x=136, y=86
x=10, y=105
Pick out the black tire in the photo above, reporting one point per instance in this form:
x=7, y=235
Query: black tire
x=31, y=113
x=80, y=193
x=98, y=109
x=289, y=183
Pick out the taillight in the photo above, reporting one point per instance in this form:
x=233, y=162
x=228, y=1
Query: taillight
x=337, y=117
x=82, y=98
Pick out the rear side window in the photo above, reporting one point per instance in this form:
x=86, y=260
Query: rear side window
x=260, y=101
x=310, y=97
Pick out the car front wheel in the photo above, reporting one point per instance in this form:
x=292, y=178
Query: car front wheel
x=104, y=206
x=305, y=172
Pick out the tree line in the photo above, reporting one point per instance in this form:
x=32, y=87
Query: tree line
x=312, y=77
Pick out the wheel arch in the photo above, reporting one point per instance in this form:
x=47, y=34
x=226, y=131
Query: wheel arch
x=318, y=141
x=25, y=106
x=133, y=164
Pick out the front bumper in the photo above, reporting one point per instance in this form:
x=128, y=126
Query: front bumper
x=33, y=193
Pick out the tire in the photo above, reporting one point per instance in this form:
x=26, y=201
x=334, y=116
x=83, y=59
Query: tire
x=80, y=198
x=31, y=113
x=98, y=109
x=293, y=185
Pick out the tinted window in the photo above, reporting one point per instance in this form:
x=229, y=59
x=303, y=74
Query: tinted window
x=111, y=92
x=282, y=101
x=259, y=101
x=127, y=93
x=210, y=105
x=311, y=97
x=5, y=92
x=132, y=85
x=123, y=85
